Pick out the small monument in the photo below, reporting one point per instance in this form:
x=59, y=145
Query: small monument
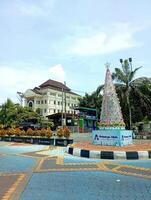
x=112, y=127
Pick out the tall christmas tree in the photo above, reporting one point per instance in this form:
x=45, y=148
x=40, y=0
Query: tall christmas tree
x=111, y=115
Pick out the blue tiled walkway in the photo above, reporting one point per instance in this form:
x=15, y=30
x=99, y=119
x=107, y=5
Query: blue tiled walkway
x=86, y=186
x=74, y=159
x=136, y=163
x=16, y=163
x=73, y=185
x=20, y=149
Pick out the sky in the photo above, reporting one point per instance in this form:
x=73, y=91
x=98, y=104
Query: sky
x=68, y=40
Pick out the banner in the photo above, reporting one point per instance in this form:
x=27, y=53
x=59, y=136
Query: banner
x=112, y=137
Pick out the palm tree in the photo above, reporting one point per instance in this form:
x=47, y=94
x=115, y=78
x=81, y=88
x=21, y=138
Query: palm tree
x=141, y=98
x=124, y=79
x=134, y=94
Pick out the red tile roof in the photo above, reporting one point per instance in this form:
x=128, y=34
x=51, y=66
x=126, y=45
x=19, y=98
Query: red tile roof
x=54, y=84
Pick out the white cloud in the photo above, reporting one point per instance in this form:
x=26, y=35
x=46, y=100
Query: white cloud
x=118, y=37
x=33, y=9
x=57, y=73
x=14, y=79
x=30, y=10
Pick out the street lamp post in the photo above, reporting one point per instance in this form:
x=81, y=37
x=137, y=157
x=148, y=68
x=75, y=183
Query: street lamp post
x=65, y=105
x=128, y=96
x=62, y=109
x=130, y=111
x=130, y=62
x=21, y=96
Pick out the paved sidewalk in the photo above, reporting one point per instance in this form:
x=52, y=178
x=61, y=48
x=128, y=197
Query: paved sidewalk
x=37, y=172
x=136, y=146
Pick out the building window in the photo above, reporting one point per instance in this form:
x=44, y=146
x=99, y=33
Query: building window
x=45, y=93
x=30, y=104
x=54, y=102
x=68, y=104
x=52, y=94
x=45, y=110
x=45, y=101
x=42, y=102
x=54, y=111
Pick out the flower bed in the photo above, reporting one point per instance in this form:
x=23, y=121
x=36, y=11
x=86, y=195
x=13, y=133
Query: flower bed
x=43, y=136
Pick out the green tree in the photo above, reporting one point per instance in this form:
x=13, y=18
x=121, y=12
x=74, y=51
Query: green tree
x=140, y=98
x=93, y=100
x=13, y=114
x=134, y=94
x=130, y=94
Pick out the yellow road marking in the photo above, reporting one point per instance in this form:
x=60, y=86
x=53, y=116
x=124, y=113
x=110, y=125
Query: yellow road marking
x=132, y=174
x=60, y=160
x=11, y=190
x=133, y=167
x=39, y=164
x=102, y=166
x=119, y=170
x=99, y=166
x=69, y=169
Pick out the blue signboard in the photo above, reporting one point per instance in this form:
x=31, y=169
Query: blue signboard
x=112, y=137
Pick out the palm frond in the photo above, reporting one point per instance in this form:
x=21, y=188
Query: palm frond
x=99, y=89
x=120, y=76
x=132, y=74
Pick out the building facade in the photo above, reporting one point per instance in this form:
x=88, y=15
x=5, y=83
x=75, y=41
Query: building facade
x=51, y=97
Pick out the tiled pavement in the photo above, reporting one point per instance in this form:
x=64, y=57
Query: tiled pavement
x=34, y=172
x=9, y=183
x=86, y=185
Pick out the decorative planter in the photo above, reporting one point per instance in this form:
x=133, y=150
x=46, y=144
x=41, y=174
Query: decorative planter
x=63, y=142
x=38, y=140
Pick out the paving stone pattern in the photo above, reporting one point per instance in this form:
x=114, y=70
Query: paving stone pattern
x=56, y=175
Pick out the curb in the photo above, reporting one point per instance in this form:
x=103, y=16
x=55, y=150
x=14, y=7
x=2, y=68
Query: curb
x=113, y=155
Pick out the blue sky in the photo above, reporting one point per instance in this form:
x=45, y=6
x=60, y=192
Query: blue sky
x=70, y=41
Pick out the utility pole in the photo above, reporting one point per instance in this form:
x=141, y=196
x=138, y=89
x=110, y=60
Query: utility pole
x=21, y=96
x=130, y=110
x=65, y=105
x=62, y=110
x=128, y=96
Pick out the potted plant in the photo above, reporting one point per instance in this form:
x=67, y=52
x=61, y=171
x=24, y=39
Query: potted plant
x=29, y=132
x=66, y=132
x=60, y=132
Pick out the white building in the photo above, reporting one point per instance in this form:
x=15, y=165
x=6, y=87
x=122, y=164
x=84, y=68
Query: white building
x=51, y=97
